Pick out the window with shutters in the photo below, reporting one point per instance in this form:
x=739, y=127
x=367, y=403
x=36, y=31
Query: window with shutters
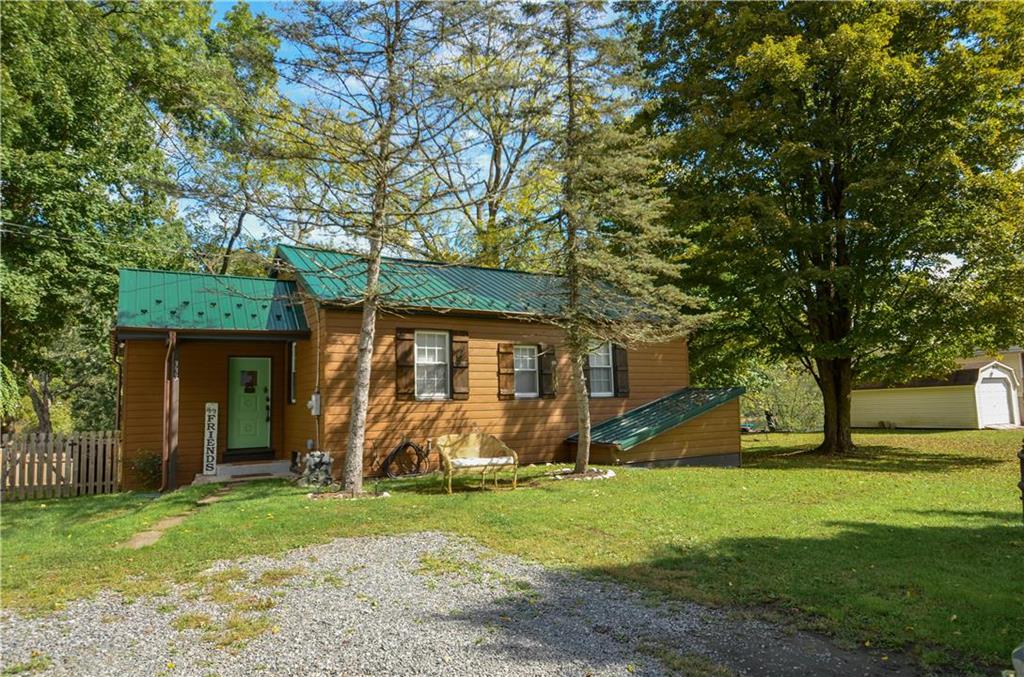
x=432, y=352
x=527, y=382
x=602, y=371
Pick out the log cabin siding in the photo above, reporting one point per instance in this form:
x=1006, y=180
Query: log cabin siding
x=536, y=428
x=203, y=377
x=299, y=424
x=713, y=433
x=142, y=401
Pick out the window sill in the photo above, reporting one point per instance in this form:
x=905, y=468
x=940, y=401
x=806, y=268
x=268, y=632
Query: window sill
x=528, y=396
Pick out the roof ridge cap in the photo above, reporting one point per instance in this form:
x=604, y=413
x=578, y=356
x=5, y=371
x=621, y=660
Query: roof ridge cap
x=426, y=262
x=200, y=274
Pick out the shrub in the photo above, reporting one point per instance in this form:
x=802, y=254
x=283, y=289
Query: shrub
x=147, y=465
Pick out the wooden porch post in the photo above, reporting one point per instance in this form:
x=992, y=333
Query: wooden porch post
x=170, y=441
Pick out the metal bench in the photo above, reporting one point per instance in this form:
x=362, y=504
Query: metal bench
x=475, y=452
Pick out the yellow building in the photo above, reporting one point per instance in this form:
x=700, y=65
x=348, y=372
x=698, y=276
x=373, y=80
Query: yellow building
x=985, y=396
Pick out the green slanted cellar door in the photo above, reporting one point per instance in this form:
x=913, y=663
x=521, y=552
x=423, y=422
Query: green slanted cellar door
x=248, y=403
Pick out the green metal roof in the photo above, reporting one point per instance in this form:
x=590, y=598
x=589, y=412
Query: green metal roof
x=341, y=277
x=155, y=299
x=635, y=426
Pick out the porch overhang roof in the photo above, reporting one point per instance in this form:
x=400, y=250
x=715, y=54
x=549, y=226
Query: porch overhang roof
x=212, y=306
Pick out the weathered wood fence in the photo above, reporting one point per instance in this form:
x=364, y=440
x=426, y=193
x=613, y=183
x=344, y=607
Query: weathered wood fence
x=42, y=465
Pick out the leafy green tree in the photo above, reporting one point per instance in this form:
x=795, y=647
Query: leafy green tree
x=845, y=174
x=224, y=167
x=501, y=90
x=90, y=93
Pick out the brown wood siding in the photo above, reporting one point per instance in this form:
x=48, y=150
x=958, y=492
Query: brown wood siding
x=536, y=428
x=299, y=424
x=142, y=404
x=713, y=433
x=203, y=374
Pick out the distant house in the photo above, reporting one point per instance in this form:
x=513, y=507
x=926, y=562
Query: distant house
x=230, y=376
x=983, y=396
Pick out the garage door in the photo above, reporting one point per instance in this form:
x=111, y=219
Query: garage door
x=994, y=401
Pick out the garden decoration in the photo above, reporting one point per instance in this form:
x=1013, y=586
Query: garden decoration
x=407, y=458
x=318, y=470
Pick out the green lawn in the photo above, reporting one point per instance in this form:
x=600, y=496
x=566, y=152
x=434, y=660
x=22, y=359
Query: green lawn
x=915, y=542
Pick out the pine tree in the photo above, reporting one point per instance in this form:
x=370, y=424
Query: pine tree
x=609, y=214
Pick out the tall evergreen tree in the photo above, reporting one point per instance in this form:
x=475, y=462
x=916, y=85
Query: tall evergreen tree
x=614, y=243
x=849, y=177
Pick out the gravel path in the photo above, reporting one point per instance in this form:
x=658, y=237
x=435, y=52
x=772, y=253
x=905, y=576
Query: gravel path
x=424, y=603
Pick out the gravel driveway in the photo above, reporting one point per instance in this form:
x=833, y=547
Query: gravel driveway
x=424, y=603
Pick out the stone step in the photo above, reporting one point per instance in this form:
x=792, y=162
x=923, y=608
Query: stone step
x=242, y=472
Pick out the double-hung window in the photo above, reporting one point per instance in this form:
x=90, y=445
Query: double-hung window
x=602, y=377
x=432, y=380
x=525, y=360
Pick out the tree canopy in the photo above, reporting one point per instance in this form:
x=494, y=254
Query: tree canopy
x=91, y=91
x=847, y=177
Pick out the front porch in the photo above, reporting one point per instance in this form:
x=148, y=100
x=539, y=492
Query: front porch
x=208, y=367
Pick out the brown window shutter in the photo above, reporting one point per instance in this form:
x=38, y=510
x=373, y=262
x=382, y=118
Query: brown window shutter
x=546, y=366
x=620, y=362
x=506, y=371
x=405, y=364
x=460, y=364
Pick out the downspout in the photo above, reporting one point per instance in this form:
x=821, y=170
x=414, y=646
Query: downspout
x=316, y=388
x=119, y=402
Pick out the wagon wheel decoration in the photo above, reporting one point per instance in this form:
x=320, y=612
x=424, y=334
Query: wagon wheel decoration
x=407, y=458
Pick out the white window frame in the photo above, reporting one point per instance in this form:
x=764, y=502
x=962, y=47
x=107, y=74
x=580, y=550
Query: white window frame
x=606, y=346
x=447, y=364
x=536, y=372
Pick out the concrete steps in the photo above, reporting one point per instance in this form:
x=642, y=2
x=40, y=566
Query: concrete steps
x=244, y=472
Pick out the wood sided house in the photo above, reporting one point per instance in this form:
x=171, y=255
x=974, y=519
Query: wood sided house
x=231, y=376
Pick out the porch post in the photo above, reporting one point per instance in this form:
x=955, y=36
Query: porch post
x=170, y=412
x=173, y=459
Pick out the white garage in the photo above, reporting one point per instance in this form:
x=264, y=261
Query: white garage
x=981, y=397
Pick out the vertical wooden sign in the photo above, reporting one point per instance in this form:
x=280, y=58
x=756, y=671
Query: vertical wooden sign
x=210, y=440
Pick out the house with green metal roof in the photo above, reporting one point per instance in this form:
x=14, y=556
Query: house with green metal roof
x=226, y=376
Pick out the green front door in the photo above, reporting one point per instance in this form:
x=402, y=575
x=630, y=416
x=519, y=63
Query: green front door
x=248, y=403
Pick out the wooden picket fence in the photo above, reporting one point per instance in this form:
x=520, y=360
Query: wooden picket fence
x=42, y=465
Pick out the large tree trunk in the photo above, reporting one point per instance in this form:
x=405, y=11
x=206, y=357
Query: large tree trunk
x=42, y=399
x=353, y=473
x=835, y=379
x=579, y=386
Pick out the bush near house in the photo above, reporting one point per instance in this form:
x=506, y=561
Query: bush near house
x=912, y=542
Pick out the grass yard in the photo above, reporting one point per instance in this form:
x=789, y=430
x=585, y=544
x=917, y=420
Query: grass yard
x=914, y=542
